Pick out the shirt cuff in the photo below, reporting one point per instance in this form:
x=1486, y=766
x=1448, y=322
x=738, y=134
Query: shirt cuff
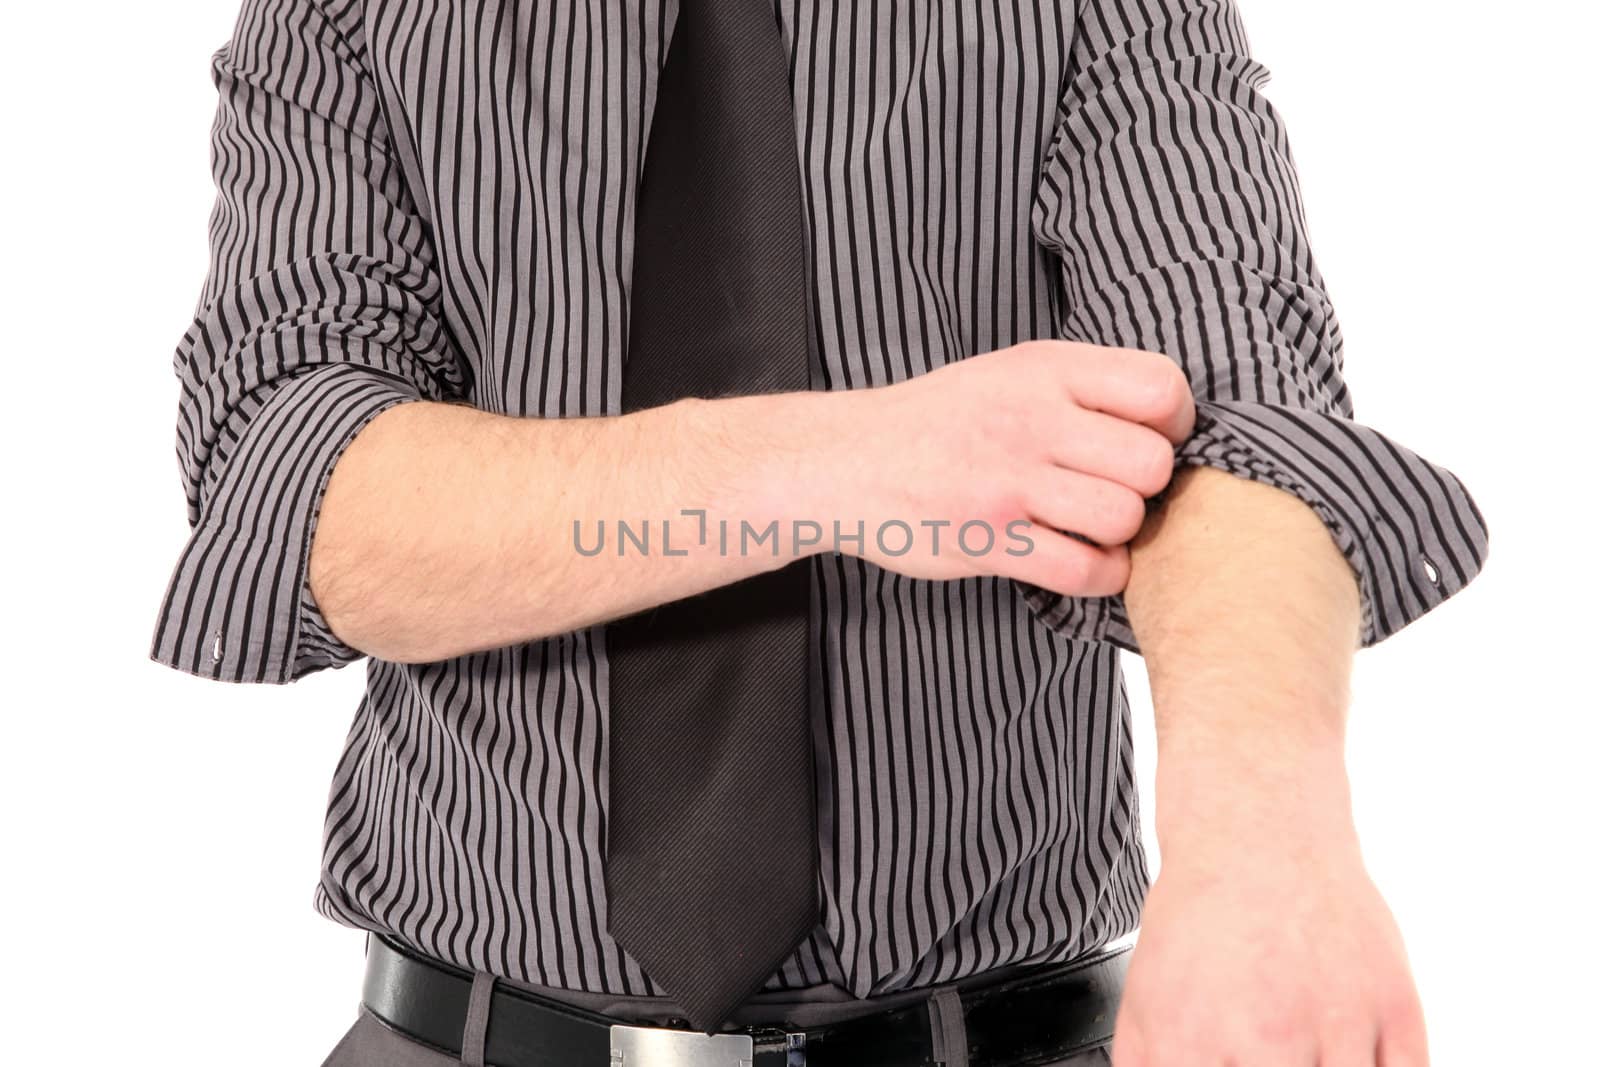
x=238, y=606
x=1410, y=530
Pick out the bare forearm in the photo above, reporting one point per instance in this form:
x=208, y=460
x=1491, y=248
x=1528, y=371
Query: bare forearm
x=1247, y=615
x=446, y=530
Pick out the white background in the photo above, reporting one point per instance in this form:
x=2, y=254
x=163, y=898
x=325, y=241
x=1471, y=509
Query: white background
x=161, y=833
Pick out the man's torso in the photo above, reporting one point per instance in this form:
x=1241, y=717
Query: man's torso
x=975, y=788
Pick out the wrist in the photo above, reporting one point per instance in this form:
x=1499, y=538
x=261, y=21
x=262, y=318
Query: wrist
x=772, y=469
x=1256, y=799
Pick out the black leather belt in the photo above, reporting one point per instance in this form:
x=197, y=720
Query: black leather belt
x=1044, y=1014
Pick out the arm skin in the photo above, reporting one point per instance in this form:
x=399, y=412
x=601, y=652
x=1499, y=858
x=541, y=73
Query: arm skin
x=446, y=530
x=1263, y=940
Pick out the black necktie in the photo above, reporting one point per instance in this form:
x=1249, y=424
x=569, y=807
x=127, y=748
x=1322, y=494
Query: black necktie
x=711, y=831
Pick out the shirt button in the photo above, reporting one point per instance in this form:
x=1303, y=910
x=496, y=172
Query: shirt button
x=216, y=649
x=1430, y=570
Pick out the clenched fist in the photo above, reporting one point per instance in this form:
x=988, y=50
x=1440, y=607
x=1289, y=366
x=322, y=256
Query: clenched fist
x=976, y=468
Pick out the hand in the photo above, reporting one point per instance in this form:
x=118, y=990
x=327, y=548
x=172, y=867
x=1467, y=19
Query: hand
x=1280, y=953
x=1030, y=440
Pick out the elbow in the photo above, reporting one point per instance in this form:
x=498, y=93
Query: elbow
x=362, y=588
x=368, y=616
x=356, y=603
x=395, y=608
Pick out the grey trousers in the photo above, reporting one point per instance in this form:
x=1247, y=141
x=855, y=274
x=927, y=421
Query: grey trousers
x=369, y=1043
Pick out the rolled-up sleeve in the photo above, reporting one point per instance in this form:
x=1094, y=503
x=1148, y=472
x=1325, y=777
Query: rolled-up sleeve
x=319, y=311
x=1170, y=195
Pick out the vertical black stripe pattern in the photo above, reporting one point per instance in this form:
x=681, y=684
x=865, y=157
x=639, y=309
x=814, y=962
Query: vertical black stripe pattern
x=433, y=199
x=1171, y=197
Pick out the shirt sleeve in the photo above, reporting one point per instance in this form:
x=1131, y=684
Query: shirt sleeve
x=320, y=309
x=1170, y=195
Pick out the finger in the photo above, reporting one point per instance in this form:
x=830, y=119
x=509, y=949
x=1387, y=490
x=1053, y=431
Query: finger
x=1106, y=446
x=1145, y=387
x=1104, y=511
x=1403, y=1041
x=1062, y=564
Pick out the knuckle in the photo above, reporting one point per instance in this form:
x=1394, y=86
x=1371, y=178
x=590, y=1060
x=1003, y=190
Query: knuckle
x=1002, y=504
x=1169, y=387
x=1402, y=1007
x=1338, y=1020
x=1120, y=569
x=1103, y=512
x=1277, y=1030
x=1124, y=515
x=1155, y=466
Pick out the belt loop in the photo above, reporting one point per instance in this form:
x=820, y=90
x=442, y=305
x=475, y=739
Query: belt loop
x=476, y=1032
x=948, y=1027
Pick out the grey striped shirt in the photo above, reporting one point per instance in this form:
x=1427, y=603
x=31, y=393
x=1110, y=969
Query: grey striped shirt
x=434, y=199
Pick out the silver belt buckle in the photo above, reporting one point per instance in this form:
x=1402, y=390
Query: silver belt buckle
x=655, y=1046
